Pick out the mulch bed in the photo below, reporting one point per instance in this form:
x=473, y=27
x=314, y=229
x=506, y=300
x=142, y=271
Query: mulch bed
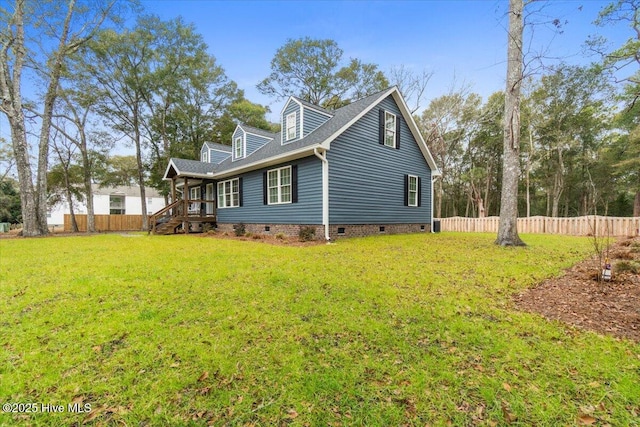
x=577, y=298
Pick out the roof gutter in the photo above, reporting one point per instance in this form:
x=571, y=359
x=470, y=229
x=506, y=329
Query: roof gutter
x=325, y=190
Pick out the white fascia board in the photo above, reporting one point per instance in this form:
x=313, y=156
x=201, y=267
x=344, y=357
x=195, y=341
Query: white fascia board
x=286, y=104
x=166, y=171
x=301, y=122
x=413, y=127
x=234, y=133
x=284, y=157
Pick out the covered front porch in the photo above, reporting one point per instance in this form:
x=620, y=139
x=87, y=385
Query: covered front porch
x=192, y=205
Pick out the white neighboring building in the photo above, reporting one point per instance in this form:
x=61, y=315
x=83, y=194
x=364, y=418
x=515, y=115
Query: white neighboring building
x=121, y=200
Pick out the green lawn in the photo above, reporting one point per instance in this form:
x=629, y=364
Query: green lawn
x=383, y=331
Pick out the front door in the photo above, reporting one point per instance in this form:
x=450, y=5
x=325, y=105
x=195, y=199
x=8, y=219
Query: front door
x=209, y=197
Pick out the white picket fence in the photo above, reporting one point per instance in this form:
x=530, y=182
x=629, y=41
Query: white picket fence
x=576, y=226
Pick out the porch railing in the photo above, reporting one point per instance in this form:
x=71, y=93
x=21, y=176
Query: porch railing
x=165, y=214
x=186, y=210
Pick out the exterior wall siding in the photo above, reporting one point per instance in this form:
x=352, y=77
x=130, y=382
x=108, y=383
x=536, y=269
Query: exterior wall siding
x=308, y=209
x=366, y=179
x=312, y=120
x=217, y=156
x=254, y=142
x=290, y=108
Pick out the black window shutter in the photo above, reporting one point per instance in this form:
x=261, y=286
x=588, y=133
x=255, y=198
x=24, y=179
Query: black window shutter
x=294, y=184
x=419, y=184
x=240, y=191
x=381, y=127
x=264, y=188
x=398, y=120
x=406, y=190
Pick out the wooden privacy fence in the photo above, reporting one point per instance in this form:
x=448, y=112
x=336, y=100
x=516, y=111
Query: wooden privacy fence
x=106, y=222
x=577, y=226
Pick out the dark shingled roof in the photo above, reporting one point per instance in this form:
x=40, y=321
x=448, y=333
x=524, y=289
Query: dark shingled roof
x=312, y=106
x=185, y=166
x=341, y=117
x=257, y=131
x=219, y=147
x=273, y=148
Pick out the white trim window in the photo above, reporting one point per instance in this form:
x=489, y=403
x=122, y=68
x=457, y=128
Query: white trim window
x=413, y=191
x=238, y=148
x=279, y=185
x=205, y=156
x=229, y=193
x=291, y=126
x=389, y=129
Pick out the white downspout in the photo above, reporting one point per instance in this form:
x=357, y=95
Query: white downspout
x=433, y=182
x=325, y=191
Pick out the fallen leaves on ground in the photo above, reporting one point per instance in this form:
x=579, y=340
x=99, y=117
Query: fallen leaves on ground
x=577, y=298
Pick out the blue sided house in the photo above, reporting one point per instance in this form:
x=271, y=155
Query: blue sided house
x=359, y=170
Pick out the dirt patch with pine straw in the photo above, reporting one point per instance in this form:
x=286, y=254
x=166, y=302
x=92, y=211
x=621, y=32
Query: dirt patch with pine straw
x=580, y=299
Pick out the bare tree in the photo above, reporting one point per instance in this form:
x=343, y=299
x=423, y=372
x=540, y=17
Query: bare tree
x=508, y=228
x=64, y=150
x=412, y=85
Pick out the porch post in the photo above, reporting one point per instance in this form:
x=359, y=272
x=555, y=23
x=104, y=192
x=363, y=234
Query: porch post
x=185, y=211
x=173, y=189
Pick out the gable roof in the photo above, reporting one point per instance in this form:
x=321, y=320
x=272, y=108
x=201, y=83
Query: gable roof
x=273, y=152
x=219, y=147
x=257, y=131
x=189, y=168
x=310, y=106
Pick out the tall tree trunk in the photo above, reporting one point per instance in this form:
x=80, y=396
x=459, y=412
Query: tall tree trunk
x=88, y=191
x=25, y=176
x=45, y=130
x=558, y=186
x=10, y=85
x=481, y=212
x=528, y=172
x=508, y=228
x=487, y=188
x=72, y=214
x=143, y=196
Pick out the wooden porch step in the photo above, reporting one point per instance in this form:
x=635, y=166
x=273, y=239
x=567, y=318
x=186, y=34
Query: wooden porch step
x=169, y=227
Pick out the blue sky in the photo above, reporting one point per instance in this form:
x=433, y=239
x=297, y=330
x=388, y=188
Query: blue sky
x=465, y=39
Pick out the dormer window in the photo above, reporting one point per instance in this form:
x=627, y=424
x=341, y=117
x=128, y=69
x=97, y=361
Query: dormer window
x=291, y=126
x=389, y=129
x=205, y=156
x=238, y=148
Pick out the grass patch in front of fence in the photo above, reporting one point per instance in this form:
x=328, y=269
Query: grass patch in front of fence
x=388, y=330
